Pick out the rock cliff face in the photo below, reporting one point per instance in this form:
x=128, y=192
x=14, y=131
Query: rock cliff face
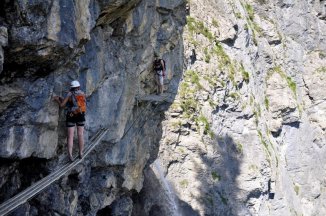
x=109, y=47
x=239, y=131
x=246, y=132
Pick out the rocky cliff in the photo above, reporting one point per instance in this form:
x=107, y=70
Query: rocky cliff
x=109, y=47
x=246, y=132
x=239, y=131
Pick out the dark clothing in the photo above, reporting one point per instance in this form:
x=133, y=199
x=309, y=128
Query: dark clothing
x=72, y=106
x=72, y=120
x=158, y=66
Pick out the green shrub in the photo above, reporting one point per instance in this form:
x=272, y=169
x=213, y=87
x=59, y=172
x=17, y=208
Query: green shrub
x=292, y=85
x=210, y=80
x=176, y=124
x=263, y=142
x=250, y=11
x=215, y=23
x=222, y=83
x=321, y=70
x=234, y=95
x=223, y=198
x=245, y=74
x=189, y=106
x=193, y=42
x=296, y=189
x=181, y=150
x=192, y=76
x=224, y=61
x=219, y=51
x=202, y=119
x=207, y=55
x=252, y=100
x=207, y=58
x=238, y=15
x=251, y=24
x=246, y=27
x=191, y=24
x=322, y=55
x=253, y=167
x=266, y=103
x=195, y=26
x=239, y=147
x=212, y=103
x=184, y=89
x=184, y=183
x=258, y=110
x=211, y=134
x=216, y=176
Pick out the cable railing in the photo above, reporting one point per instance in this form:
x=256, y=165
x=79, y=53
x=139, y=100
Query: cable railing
x=39, y=186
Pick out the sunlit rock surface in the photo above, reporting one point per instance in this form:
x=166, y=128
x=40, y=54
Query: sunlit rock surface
x=240, y=129
x=246, y=132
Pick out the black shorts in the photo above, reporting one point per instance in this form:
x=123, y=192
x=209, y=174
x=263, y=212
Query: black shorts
x=72, y=120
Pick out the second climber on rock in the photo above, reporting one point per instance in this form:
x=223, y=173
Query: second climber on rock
x=159, y=69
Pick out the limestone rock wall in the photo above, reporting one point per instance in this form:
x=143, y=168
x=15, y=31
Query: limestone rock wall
x=246, y=133
x=109, y=47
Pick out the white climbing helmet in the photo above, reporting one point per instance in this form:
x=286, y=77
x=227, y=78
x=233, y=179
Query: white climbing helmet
x=74, y=84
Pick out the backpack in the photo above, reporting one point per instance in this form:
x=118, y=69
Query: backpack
x=158, y=66
x=79, y=102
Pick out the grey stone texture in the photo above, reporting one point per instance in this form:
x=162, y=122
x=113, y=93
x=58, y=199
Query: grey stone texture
x=246, y=132
x=109, y=47
x=240, y=129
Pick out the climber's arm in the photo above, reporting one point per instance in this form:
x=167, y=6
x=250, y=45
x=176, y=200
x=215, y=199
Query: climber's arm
x=62, y=102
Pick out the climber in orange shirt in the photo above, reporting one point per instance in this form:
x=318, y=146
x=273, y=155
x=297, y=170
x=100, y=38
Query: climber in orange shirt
x=75, y=101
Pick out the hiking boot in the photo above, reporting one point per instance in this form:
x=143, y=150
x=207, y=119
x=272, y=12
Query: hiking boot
x=71, y=158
